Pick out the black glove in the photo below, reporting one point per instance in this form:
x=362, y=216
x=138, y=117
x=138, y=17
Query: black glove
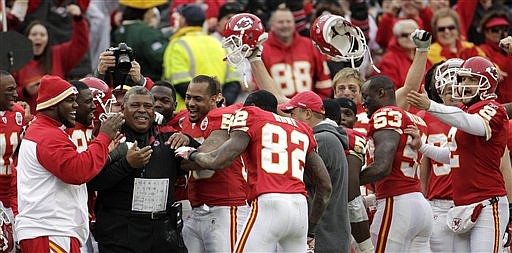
x=421, y=39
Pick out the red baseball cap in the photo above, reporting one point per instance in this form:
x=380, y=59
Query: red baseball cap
x=306, y=100
x=497, y=21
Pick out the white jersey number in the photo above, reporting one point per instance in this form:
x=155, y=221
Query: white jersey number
x=274, y=154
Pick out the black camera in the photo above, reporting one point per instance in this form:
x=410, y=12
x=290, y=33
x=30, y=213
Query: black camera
x=124, y=57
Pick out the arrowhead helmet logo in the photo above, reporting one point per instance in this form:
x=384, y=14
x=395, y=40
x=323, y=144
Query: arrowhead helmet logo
x=243, y=24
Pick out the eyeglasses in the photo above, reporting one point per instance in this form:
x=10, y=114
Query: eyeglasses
x=498, y=29
x=443, y=28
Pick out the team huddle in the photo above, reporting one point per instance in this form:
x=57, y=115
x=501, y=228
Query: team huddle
x=270, y=174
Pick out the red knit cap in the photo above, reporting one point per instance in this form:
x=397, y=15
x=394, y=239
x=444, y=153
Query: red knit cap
x=52, y=90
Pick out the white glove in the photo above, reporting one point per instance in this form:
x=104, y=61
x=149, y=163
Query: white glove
x=184, y=152
x=422, y=39
x=256, y=54
x=159, y=118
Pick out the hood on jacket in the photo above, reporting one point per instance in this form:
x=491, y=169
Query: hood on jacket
x=328, y=125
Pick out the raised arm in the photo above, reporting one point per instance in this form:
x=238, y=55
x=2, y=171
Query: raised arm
x=265, y=81
x=414, y=77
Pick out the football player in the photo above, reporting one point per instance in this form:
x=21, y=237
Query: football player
x=277, y=150
x=216, y=197
x=403, y=220
x=478, y=140
x=12, y=122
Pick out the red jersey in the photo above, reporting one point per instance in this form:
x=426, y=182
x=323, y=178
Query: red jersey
x=476, y=175
x=440, y=180
x=297, y=67
x=176, y=124
x=11, y=128
x=509, y=141
x=276, y=154
x=227, y=187
x=82, y=135
x=404, y=174
x=356, y=144
x=362, y=120
x=177, y=121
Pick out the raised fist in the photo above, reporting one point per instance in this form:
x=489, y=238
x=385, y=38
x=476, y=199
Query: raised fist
x=422, y=39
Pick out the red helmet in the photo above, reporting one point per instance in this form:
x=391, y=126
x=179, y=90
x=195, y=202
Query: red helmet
x=446, y=73
x=481, y=69
x=102, y=96
x=242, y=33
x=337, y=38
x=6, y=234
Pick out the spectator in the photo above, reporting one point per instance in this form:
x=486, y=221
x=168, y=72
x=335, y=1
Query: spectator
x=449, y=40
x=52, y=195
x=56, y=60
x=471, y=13
x=185, y=56
x=332, y=234
x=110, y=73
x=495, y=26
x=98, y=14
x=398, y=58
x=123, y=223
x=432, y=7
x=393, y=12
x=15, y=14
x=147, y=42
x=60, y=26
x=292, y=60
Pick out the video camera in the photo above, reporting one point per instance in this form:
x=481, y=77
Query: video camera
x=124, y=57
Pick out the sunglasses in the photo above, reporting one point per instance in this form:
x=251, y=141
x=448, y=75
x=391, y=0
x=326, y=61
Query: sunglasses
x=498, y=29
x=404, y=35
x=443, y=28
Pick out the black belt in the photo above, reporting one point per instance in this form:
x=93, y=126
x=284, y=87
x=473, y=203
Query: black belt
x=150, y=215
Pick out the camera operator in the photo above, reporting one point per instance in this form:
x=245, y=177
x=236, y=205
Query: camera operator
x=109, y=71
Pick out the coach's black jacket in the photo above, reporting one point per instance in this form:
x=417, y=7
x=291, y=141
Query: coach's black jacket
x=117, y=228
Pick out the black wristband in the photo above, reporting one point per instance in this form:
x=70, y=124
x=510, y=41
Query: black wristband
x=192, y=155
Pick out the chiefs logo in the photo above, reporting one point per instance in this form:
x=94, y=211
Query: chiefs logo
x=19, y=118
x=493, y=72
x=204, y=124
x=243, y=24
x=456, y=223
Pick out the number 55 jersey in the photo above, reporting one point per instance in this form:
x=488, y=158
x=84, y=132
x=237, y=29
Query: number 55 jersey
x=276, y=154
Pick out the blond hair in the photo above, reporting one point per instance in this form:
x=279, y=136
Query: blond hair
x=345, y=74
